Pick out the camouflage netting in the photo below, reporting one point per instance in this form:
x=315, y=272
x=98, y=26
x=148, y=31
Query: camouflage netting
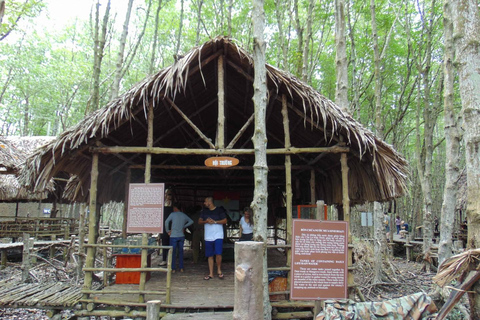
x=417, y=306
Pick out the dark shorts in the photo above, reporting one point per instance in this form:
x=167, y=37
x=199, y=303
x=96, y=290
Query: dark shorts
x=213, y=248
x=246, y=237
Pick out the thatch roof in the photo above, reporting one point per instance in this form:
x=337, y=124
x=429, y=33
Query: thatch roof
x=13, y=152
x=377, y=171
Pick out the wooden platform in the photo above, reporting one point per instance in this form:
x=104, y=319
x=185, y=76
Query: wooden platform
x=189, y=289
x=199, y=316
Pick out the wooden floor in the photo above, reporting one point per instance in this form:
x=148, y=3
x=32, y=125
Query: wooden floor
x=189, y=290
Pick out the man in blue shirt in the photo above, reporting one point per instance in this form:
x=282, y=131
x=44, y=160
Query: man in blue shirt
x=213, y=218
x=179, y=222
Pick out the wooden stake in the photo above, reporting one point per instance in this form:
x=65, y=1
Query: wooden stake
x=92, y=224
x=153, y=309
x=169, y=276
x=220, y=143
x=81, y=239
x=26, y=257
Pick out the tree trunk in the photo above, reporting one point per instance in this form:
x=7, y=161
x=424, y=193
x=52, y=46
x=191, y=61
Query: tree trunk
x=282, y=48
x=306, y=45
x=121, y=50
x=452, y=143
x=99, y=45
x=466, y=28
x=299, y=30
x=380, y=246
x=260, y=195
x=180, y=27
x=355, y=109
x=341, y=64
x=229, y=17
x=155, y=39
x=199, y=21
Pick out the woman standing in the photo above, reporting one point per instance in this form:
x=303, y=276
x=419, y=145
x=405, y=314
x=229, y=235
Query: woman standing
x=398, y=223
x=246, y=225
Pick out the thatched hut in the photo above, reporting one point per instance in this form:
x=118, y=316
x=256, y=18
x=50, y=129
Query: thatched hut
x=13, y=152
x=185, y=105
x=164, y=128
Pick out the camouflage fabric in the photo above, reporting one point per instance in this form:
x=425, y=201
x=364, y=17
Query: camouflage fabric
x=418, y=306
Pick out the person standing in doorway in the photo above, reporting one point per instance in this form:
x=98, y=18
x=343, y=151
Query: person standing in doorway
x=246, y=225
x=398, y=223
x=213, y=219
x=179, y=221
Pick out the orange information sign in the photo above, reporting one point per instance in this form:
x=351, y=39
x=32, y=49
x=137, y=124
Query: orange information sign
x=221, y=162
x=145, y=207
x=319, y=260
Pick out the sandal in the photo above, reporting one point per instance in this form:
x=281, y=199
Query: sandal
x=220, y=276
x=207, y=278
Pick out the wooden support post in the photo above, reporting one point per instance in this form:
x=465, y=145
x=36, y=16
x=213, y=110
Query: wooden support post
x=169, y=276
x=51, y=250
x=148, y=160
x=125, y=208
x=26, y=257
x=313, y=196
x=143, y=264
x=4, y=258
x=319, y=304
x=81, y=239
x=153, y=309
x=248, y=280
x=288, y=181
x=92, y=225
x=408, y=246
x=346, y=217
x=220, y=143
x=105, y=259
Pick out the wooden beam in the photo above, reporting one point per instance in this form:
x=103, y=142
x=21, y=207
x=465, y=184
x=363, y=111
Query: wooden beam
x=346, y=217
x=182, y=151
x=240, y=70
x=148, y=160
x=241, y=131
x=313, y=196
x=186, y=167
x=194, y=127
x=220, y=143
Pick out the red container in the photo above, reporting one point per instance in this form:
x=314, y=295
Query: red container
x=130, y=261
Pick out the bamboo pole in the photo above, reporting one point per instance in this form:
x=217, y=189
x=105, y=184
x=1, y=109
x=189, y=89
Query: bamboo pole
x=194, y=127
x=26, y=257
x=143, y=264
x=288, y=182
x=148, y=160
x=125, y=208
x=185, y=151
x=247, y=168
x=169, y=276
x=220, y=143
x=241, y=131
x=346, y=217
x=313, y=196
x=92, y=224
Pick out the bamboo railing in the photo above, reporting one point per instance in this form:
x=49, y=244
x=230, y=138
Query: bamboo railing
x=144, y=269
x=37, y=227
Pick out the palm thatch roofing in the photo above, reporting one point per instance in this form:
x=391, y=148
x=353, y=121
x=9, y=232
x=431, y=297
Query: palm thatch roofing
x=376, y=170
x=13, y=152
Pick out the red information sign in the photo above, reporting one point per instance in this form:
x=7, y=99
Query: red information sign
x=319, y=260
x=145, y=207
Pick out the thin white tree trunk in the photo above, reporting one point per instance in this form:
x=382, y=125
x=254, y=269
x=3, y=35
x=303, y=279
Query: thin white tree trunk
x=155, y=39
x=466, y=28
x=306, y=45
x=452, y=143
x=121, y=51
x=260, y=167
x=341, y=90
